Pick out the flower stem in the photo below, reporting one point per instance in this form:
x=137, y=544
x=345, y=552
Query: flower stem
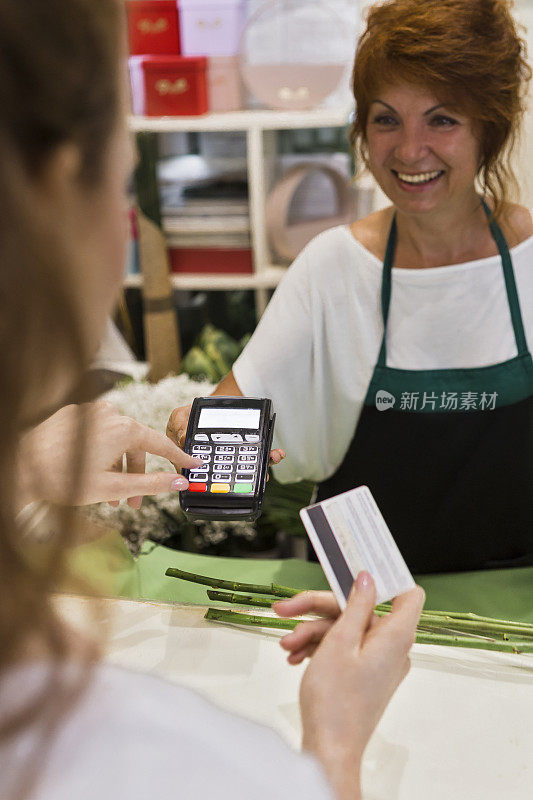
x=474, y=643
x=451, y=628
x=470, y=617
x=238, y=618
x=217, y=583
x=241, y=599
x=495, y=628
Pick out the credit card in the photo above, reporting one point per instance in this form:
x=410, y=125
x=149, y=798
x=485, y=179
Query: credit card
x=349, y=534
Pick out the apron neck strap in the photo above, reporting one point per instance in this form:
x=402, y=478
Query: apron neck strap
x=510, y=284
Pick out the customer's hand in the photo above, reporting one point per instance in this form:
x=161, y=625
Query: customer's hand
x=177, y=428
x=351, y=678
x=302, y=642
x=49, y=453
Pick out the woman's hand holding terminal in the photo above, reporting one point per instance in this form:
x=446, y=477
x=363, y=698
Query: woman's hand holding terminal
x=179, y=418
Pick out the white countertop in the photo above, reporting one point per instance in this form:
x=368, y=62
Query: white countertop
x=460, y=726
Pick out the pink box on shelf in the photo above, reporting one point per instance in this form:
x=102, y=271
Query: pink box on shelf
x=211, y=27
x=224, y=85
x=168, y=85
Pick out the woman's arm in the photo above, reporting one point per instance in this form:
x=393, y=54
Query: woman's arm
x=228, y=387
x=356, y=669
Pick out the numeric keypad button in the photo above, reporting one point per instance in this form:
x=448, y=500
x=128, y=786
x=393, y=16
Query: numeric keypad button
x=243, y=459
x=198, y=477
x=244, y=478
x=224, y=459
x=246, y=467
x=221, y=477
x=224, y=449
x=248, y=449
x=202, y=448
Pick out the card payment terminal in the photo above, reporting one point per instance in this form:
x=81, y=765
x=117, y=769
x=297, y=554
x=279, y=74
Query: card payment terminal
x=233, y=436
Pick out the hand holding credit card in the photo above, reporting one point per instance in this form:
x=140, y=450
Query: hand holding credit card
x=349, y=534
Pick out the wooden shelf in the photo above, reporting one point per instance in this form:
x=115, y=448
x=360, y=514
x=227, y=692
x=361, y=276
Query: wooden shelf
x=259, y=127
x=244, y=121
x=267, y=278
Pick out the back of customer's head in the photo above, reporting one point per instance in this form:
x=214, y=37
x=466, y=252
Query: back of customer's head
x=59, y=106
x=468, y=53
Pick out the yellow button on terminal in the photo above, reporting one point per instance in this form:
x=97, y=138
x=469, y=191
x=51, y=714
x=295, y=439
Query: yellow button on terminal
x=220, y=488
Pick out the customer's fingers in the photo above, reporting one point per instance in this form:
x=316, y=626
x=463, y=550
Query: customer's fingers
x=306, y=633
x=356, y=618
x=306, y=652
x=405, y=612
x=136, y=463
x=154, y=442
x=321, y=603
x=117, y=487
x=118, y=466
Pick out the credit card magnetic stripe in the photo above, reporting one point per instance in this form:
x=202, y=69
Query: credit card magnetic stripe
x=331, y=549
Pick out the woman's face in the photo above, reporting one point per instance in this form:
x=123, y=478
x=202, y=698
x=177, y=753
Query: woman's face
x=102, y=234
x=91, y=220
x=88, y=224
x=424, y=156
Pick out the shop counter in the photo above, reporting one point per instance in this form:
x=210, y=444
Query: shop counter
x=460, y=725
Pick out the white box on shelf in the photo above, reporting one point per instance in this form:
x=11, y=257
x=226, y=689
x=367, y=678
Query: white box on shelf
x=211, y=27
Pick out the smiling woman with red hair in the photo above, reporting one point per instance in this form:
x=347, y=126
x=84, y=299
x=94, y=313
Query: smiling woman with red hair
x=468, y=54
x=69, y=727
x=397, y=350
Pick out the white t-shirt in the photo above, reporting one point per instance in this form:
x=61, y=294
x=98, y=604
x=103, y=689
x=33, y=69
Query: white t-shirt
x=136, y=737
x=316, y=346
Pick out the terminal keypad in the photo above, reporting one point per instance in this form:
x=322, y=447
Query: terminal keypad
x=227, y=468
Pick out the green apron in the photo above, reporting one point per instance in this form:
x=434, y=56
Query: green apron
x=448, y=453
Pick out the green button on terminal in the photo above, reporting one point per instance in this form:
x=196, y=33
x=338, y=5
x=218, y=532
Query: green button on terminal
x=243, y=488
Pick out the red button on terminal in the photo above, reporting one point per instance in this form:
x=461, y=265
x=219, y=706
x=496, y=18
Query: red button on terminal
x=197, y=487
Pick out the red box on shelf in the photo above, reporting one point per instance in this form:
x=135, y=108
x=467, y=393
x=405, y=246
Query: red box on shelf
x=171, y=86
x=210, y=260
x=153, y=27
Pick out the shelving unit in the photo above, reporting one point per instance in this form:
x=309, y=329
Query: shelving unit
x=260, y=127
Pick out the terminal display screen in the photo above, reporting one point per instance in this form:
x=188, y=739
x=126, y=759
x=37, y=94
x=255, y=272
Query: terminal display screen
x=220, y=418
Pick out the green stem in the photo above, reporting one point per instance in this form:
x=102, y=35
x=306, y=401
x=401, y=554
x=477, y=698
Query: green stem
x=469, y=616
x=437, y=631
x=236, y=618
x=473, y=626
x=218, y=583
x=241, y=599
x=474, y=643
x=448, y=624
x=274, y=589
x=284, y=591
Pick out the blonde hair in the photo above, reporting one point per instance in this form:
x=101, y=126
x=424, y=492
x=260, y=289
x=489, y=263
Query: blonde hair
x=59, y=83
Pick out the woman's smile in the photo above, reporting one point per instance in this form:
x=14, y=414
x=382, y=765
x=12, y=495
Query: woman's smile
x=417, y=181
